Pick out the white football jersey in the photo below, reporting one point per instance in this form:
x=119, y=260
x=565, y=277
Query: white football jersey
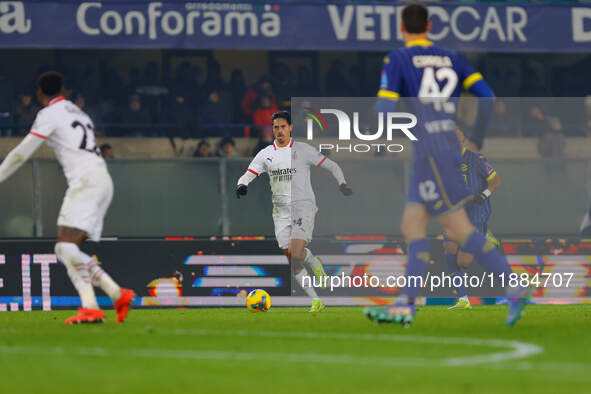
x=288, y=168
x=70, y=133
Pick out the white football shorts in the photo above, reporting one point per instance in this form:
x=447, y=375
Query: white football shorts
x=86, y=202
x=294, y=222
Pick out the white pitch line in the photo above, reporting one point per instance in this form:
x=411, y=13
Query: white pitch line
x=545, y=366
x=221, y=355
x=330, y=359
x=513, y=350
x=517, y=349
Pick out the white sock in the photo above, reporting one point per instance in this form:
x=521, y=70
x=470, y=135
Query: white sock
x=311, y=260
x=309, y=290
x=76, y=265
x=101, y=279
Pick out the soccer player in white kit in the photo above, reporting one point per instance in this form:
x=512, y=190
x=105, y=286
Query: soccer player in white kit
x=288, y=163
x=70, y=133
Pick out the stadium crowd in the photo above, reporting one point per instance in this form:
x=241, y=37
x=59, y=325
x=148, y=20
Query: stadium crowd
x=191, y=104
x=196, y=103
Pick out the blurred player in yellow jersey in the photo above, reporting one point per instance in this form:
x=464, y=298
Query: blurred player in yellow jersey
x=435, y=76
x=482, y=180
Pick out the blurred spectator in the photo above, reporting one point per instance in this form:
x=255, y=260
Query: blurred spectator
x=265, y=139
x=262, y=115
x=195, y=80
x=71, y=71
x=110, y=104
x=153, y=92
x=306, y=85
x=336, y=83
x=151, y=82
x=237, y=88
x=186, y=83
x=90, y=83
x=551, y=142
x=80, y=100
x=213, y=113
x=107, y=112
x=282, y=81
x=534, y=124
x=214, y=79
x=203, y=149
x=227, y=148
x=181, y=113
x=181, y=78
x=107, y=151
x=533, y=80
x=505, y=120
x=6, y=98
x=252, y=96
x=356, y=81
x=112, y=87
x=215, y=82
x=134, y=80
x=372, y=73
x=25, y=111
x=135, y=118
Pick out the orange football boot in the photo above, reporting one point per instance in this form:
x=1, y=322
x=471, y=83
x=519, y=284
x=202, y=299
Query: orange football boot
x=86, y=316
x=123, y=304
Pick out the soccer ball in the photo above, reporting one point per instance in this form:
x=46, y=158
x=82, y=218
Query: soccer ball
x=258, y=301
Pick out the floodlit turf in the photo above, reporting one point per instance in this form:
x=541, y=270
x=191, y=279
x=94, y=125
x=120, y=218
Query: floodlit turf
x=291, y=350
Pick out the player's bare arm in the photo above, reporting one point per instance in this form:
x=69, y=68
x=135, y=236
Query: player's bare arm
x=494, y=181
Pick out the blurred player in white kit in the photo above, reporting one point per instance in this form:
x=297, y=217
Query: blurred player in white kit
x=70, y=133
x=288, y=163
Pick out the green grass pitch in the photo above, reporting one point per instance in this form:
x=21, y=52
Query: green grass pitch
x=288, y=350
